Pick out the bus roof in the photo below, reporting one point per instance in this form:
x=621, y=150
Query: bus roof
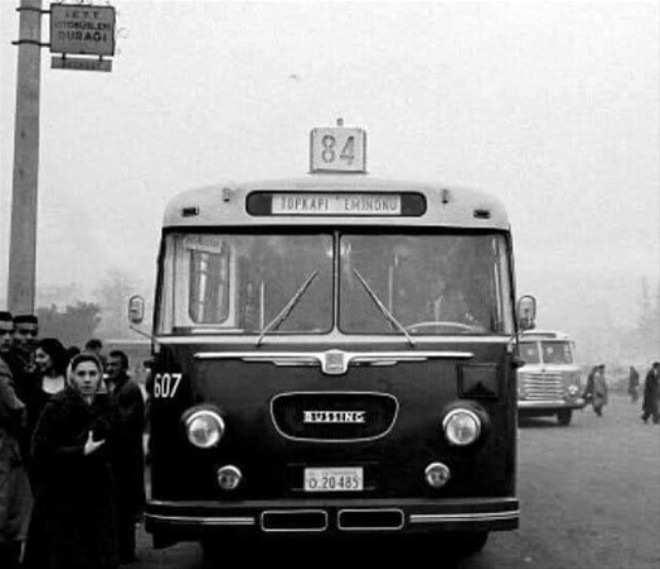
x=544, y=335
x=225, y=204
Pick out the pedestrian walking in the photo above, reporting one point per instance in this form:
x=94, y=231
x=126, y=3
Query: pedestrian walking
x=596, y=389
x=73, y=522
x=651, y=394
x=15, y=498
x=128, y=455
x=633, y=384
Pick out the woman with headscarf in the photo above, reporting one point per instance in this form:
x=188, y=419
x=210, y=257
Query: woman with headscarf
x=73, y=520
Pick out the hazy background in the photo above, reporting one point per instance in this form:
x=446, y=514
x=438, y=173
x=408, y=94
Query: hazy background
x=553, y=106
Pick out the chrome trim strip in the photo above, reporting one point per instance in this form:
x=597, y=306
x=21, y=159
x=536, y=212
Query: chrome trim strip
x=316, y=440
x=329, y=339
x=543, y=403
x=293, y=512
x=205, y=520
x=377, y=510
x=476, y=517
x=321, y=358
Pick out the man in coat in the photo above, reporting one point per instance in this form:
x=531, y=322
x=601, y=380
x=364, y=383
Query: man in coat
x=15, y=497
x=596, y=389
x=651, y=394
x=21, y=357
x=127, y=453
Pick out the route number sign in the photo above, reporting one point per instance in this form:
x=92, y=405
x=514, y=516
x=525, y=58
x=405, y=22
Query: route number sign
x=338, y=150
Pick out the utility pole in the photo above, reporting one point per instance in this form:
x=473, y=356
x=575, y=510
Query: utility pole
x=23, y=243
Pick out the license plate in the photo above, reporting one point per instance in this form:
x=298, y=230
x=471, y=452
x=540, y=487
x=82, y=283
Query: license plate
x=334, y=479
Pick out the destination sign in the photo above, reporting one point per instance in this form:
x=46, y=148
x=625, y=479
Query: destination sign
x=336, y=204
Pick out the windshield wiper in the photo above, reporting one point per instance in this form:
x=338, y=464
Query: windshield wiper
x=390, y=317
x=284, y=313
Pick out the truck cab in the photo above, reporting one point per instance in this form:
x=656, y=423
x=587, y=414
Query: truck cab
x=549, y=382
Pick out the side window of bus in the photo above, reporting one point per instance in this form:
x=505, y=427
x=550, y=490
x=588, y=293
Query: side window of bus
x=209, y=285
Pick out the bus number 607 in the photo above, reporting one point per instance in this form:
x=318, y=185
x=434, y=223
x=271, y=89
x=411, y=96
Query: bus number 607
x=166, y=384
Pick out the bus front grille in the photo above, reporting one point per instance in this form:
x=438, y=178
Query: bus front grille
x=334, y=416
x=542, y=386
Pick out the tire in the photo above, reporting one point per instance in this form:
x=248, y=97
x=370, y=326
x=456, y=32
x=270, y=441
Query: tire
x=564, y=417
x=211, y=553
x=463, y=544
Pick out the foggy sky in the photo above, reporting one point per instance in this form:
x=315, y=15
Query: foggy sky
x=554, y=107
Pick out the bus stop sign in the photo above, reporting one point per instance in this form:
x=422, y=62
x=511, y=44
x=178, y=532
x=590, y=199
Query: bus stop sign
x=82, y=29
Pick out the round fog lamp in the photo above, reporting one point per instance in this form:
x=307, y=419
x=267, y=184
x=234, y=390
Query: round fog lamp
x=462, y=427
x=205, y=428
x=573, y=389
x=437, y=474
x=229, y=477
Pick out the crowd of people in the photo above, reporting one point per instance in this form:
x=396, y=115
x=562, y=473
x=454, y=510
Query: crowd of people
x=71, y=453
x=596, y=391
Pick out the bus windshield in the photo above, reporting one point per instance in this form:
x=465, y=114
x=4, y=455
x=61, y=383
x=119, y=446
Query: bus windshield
x=431, y=284
x=556, y=352
x=400, y=284
x=550, y=352
x=529, y=353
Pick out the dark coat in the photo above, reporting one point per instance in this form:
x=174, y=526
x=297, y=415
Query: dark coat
x=14, y=490
x=35, y=399
x=128, y=453
x=25, y=381
x=651, y=393
x=73, y=520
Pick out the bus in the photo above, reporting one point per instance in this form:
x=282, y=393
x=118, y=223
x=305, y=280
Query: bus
x=333, y=354
x=549, y=382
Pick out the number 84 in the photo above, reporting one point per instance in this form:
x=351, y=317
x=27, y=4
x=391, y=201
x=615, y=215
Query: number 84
x=329, y=144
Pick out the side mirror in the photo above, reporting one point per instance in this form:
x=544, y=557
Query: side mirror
x=135, y=309
x=526, y=312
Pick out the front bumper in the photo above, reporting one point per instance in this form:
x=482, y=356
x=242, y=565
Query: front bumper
x=551, y=405
x=191, y=521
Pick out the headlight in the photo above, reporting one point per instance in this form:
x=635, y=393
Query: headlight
x=205, y=428
x=573, y=390
x=462, y=427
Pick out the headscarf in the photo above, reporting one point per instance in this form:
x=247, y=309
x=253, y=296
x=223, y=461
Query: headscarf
x=79, y=359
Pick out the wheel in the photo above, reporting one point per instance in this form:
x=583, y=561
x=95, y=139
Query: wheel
x=216, y=550
x=211, y=552
x=564, y=417
x=468, y=543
